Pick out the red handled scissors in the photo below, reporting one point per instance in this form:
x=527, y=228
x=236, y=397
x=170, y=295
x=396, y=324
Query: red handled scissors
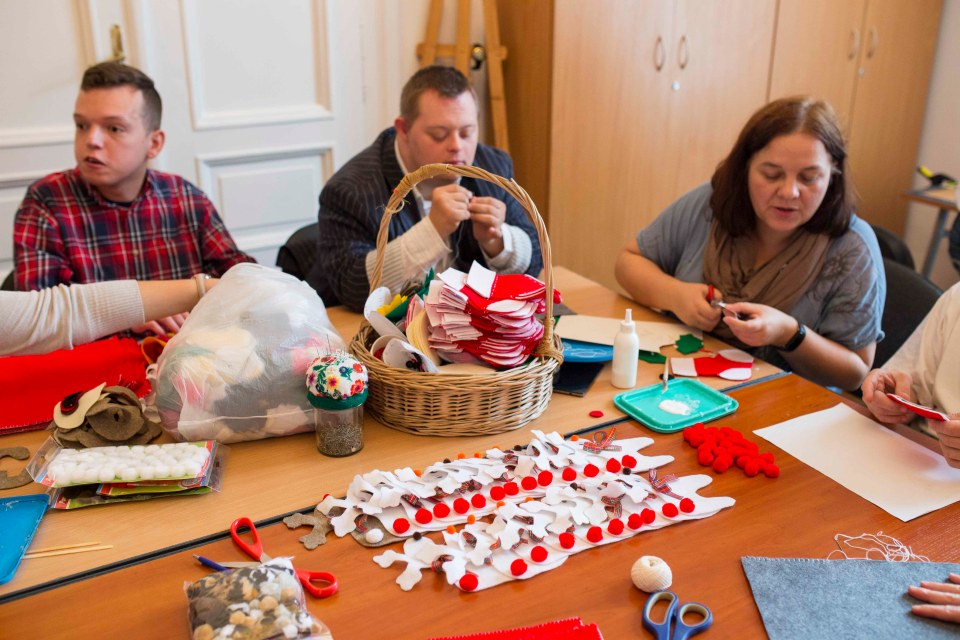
x=254, y=549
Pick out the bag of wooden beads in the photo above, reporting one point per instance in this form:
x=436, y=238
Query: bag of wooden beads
x=253, y=603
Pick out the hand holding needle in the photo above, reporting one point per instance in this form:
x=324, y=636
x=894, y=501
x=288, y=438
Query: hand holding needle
x=720, y=304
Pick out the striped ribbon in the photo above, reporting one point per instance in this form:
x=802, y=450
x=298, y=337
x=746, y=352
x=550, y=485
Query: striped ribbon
x=437, y=564
x=613, y=505
x=521, y=541
x=662, y=484
x=412, y=500
x=528, y=520
x=602, y=441
x=361, y=523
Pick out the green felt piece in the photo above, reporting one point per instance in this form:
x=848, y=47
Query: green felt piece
x=650, y=356
x=688, y=343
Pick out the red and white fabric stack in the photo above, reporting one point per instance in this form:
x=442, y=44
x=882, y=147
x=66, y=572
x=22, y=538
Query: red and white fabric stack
x=485, y=316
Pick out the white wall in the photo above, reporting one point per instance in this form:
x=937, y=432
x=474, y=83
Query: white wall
x=940, y=144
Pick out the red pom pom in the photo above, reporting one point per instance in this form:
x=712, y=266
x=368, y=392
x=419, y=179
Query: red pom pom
x=634, y=521
x=544, y=478
x=648, y=515
x=401, y=525
x=423, y=516
x=613, y=465
x=743, y=460
x=705, y=457
x=628, y=461
x=569, y=474
x=772, y=470
x=591, y=470
x=594, y=534
x=686, y=505
x=469, y=582
x=538, y=553
x=497, y=493
x=441, y=510
x=461, y=506
x=766, y=456
x=697, y=438
x=670, y=510
x=529, y=483
x=721, y=463
x=596, y=413
x=518, y=567
x=567, y=540
x=752, y=467
x=615, y=526
x=511, y=488
x=478, y=501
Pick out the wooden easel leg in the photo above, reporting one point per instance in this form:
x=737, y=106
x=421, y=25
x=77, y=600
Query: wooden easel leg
x=498, y=104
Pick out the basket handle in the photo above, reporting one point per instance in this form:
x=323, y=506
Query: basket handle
x=427, y=171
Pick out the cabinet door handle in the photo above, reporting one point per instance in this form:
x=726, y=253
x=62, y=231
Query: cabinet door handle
x=659, y=54
x=874, y=40
x=683, y=52
x=854, y=44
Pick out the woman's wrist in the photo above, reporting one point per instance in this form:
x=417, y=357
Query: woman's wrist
x=795, y=339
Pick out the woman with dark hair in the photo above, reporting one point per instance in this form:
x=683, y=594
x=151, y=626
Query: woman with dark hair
x=774, y=236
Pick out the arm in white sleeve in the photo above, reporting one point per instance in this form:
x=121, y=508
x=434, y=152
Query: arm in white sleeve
x=517, y=250
x=410, y=256
x=60, y=317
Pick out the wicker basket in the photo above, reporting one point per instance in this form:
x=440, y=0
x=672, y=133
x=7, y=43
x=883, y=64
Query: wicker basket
x=438, y=404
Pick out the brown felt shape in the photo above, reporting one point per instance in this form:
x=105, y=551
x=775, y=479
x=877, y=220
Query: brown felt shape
x=22, y=478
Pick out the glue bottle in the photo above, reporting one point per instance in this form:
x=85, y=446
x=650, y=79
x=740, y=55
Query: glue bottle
x=626, y=353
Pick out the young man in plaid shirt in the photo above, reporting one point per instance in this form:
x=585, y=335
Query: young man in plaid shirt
x=112, y=218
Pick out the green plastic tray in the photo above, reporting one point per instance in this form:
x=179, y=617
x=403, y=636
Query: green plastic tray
x=706, y=404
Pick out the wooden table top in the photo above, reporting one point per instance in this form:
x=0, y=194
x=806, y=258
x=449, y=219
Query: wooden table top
x=795, y=515
x=942, y=198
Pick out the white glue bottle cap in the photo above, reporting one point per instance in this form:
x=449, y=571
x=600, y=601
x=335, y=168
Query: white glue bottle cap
x=626, y=353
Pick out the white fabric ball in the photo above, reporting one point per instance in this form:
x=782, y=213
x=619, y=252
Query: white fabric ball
x=650, y=574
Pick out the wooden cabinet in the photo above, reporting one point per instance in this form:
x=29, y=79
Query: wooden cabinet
x=618, y=107
x=872, y=60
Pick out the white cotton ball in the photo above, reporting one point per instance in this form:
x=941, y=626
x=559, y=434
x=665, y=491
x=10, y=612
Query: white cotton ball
x=106, y=474
x=161, y=471
x=128, y=474
x=373, y=536
x=177, y=471
x=145, y=472
x=650, y=574
x=191, y=470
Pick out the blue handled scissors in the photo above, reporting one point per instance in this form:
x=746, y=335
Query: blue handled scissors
x=673, y=627
x=254, y=549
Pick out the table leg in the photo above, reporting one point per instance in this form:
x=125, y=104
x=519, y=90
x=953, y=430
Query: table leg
x=939, y=232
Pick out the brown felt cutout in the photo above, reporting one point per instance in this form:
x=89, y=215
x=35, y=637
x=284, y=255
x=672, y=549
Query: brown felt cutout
x=22, y=478
x=114, y=419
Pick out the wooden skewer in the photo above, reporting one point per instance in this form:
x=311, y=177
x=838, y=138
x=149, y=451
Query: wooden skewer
x=64, y=546
x=67, y=550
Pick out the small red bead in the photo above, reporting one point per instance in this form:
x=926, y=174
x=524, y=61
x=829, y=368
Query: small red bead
x=469, y=582
x=569, y=474
x=596, y=413
x=613, y=465
x=529, y=483
x=634, y=521
x=544, y=478
x=772, y=470
x=591, y=470
x=497, y=493
x=670, y=510
x=686, y=505
x=595, y=534
x=615, y=526
x=423, y=516
x=461, y=506
x=518, y=567
x=441, y=510
x=511, y=488
x=401, y=525
x=648, y=515
x=629, y=462
x=567, y=540
x=538, y=553
x=478, y=501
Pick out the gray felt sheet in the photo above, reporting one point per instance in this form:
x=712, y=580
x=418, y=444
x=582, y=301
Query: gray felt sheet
x=834, y=599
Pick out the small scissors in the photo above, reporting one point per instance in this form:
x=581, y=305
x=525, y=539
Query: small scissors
x=674, y=617
x=255, y=550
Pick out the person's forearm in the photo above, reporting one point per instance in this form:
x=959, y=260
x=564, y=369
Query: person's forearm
x=828, y=363
x=162, y=298
x=644, y=281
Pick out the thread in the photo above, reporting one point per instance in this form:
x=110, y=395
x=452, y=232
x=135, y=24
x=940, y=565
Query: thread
x=869, y=546
x=650, y=574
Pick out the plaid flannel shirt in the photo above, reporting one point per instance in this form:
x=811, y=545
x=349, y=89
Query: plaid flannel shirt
x=66, y=232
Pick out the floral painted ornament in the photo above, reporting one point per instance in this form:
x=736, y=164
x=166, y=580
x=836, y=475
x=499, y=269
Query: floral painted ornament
x=337, y=381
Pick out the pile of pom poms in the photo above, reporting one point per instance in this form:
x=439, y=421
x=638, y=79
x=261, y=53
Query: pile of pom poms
x=723, y=447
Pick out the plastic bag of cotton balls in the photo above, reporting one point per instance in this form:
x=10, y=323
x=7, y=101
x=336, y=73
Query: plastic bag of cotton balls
x=234, y=371
x=651, y=574
x=138, y=463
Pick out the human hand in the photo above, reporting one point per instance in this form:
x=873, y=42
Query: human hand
x=762, y=325
x=163, y=326
x=690, y=305
x=449, y=208
x=875, y=388
x=949, y=434
x=488, y=215
x=943, y=599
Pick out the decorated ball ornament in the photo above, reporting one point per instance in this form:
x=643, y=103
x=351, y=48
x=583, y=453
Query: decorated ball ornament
x=336, y=381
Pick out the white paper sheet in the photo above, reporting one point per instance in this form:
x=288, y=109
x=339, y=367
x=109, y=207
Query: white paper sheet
x=903, y=478
x=602, y=330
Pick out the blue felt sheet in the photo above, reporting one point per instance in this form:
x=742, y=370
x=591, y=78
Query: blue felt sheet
x=805, y=598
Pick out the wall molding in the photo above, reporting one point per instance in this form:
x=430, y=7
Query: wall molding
x=21, y=180
x=205, y=163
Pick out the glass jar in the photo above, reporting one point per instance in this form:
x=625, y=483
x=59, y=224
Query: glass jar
x=340, y=432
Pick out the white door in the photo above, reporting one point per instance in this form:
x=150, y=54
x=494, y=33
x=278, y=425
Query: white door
x=262, y=99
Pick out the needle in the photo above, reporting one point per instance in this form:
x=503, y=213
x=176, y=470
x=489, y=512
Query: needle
x=720, y=304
